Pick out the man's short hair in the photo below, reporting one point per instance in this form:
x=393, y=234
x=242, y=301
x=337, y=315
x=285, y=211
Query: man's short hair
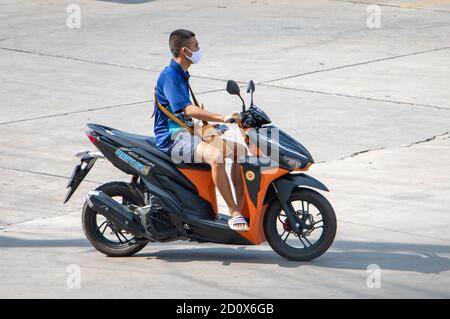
x=179, y=39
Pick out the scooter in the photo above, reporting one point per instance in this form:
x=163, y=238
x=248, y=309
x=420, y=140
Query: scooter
x=167, y=201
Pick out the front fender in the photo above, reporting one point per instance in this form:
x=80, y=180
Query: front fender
x=281, y=190
x=286, y=183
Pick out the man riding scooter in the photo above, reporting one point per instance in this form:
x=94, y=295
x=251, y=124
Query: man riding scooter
x=172, y=99
x=168, y=200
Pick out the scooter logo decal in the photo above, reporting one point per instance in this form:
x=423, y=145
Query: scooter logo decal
x=132, y=162
x=250, y=175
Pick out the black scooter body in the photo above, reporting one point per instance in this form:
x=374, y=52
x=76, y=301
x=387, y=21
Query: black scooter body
x=193, y=216
x=178, y=201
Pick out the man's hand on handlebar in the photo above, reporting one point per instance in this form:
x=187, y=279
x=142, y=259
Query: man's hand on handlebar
x=232, y=118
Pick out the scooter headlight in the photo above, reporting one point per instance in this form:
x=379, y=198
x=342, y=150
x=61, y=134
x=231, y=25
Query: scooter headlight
x=293, y=163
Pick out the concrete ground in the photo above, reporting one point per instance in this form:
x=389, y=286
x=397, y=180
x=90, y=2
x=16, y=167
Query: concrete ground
x=372, y=106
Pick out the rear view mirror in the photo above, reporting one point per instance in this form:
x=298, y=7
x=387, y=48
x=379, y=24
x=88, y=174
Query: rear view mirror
x=251, y=87
x=233, y=88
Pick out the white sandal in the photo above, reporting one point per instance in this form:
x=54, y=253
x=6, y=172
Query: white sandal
x=238, y=220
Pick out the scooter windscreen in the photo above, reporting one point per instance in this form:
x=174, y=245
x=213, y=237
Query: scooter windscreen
x=281, y=147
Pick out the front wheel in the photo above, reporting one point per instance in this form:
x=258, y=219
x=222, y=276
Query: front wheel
x=318, y=226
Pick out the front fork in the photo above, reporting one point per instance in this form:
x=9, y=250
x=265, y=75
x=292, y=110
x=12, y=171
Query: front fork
x=296, y=224
x=283, y=188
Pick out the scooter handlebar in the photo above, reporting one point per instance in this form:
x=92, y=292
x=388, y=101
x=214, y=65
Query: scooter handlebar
x=230, y=120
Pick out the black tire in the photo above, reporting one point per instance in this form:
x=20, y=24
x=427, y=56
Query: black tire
x=307, y=253
x=92, y=232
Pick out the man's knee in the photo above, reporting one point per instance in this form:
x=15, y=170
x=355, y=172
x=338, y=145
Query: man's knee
x=214, y=156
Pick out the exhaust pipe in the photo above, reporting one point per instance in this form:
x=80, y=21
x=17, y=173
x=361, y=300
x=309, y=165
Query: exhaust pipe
x=120, y=215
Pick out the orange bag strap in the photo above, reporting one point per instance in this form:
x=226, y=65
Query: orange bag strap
x=196, y=103
x=171, y=116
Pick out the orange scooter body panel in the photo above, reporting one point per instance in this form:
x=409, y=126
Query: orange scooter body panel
x=202, y=180
x=256, y=214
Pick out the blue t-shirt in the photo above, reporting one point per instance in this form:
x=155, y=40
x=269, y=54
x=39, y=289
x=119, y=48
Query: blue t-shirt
x=172, y=92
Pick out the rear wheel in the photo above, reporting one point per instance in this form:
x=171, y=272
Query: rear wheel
x=102, y=233
x=317, y=233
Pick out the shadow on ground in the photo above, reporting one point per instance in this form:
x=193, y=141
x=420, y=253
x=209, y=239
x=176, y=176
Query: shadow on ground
x=351, y=255
x=420, y=258
x=127, y=1
x=13, y=242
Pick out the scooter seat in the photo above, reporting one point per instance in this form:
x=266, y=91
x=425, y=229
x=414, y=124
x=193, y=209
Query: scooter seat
x=147, y=143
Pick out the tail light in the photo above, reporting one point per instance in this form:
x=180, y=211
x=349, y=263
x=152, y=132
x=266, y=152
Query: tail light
x=92, y=137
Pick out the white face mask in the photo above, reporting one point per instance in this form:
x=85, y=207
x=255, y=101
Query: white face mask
x=195, y=57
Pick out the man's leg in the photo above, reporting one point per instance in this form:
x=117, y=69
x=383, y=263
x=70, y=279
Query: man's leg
x=236, y=179
x=214, y=156
x=236, y=175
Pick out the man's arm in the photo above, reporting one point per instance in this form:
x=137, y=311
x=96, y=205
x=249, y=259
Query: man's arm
x=179, y=100
x=201, y=114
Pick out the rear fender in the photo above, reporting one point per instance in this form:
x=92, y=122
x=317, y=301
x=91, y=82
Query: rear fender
x=80, y=171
